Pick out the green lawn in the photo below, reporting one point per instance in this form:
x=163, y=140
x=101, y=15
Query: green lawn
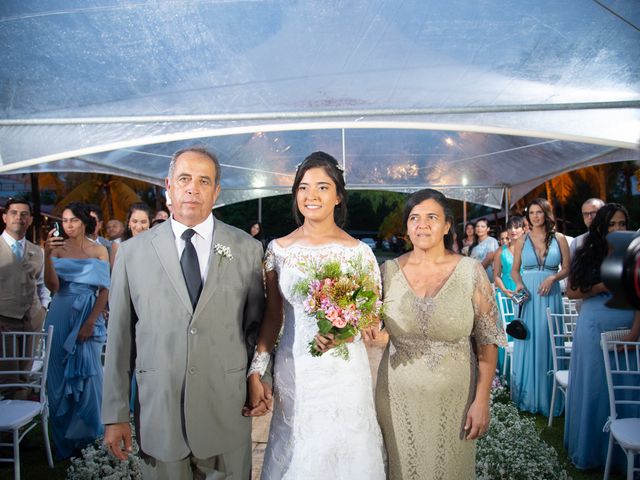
x=553, y=436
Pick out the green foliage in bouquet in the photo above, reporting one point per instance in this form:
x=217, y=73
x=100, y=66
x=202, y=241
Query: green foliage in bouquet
x=343, y=301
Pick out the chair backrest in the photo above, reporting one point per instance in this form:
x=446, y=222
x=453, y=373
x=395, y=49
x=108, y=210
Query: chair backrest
x=561, y=328
x=569, y=305
x=506, y=308
x=29, y=353
x=622, y=368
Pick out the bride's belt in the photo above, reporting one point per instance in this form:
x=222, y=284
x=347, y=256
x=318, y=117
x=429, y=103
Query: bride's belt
x=408, y=348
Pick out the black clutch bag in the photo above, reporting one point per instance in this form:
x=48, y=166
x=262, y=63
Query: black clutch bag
x=517, y=329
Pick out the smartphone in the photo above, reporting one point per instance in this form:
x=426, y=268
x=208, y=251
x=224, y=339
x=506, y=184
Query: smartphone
x=520, y=297
x=58, y=231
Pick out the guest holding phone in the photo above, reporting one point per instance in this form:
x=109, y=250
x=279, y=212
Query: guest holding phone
x=76, y=270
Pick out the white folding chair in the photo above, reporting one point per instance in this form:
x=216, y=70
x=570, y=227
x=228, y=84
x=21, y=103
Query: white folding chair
x=507, y=314
x=623, y=382
x=569, y=305
x=30, y=352
x=561, y=327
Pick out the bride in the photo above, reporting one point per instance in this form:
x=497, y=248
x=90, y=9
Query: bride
x=324, y=423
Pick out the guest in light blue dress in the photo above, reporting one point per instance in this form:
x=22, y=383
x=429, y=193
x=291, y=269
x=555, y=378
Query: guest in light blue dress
x=485, y=248
x=588, y=399
x=539, y=253
x=77, y=272
x=502, y=265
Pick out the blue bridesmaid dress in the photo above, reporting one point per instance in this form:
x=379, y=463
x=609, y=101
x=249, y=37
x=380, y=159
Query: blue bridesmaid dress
x=531, y=386
x=506, y=259
x=588, y=399
x=74, y=382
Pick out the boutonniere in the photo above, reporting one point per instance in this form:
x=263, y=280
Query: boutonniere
x=223, y=251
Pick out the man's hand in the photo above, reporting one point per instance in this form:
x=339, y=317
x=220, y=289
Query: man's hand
x=115, y=435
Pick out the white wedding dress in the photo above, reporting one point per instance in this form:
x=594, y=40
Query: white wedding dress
x=324, y=422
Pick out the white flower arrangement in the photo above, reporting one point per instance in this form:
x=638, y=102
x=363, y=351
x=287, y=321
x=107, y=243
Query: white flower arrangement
x=223, y=251
x=97, y=463
x=512, y=448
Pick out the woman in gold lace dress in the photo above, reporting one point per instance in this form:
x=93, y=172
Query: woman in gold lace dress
x=432, y=394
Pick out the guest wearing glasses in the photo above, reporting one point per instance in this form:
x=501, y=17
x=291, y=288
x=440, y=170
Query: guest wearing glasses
x=588, y=398
x=589, y=209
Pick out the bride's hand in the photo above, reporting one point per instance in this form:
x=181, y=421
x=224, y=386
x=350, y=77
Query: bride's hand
x=327, y=341
x=260, y=397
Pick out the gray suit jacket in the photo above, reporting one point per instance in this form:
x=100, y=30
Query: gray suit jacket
x=190, y=365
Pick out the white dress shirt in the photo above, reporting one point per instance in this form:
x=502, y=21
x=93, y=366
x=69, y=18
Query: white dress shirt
x=201, y=241
x=43, y=292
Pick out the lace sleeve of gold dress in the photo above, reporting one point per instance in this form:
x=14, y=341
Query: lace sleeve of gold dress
x=485, y=321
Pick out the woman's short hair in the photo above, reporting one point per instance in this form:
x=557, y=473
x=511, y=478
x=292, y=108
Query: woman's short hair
x=515, y=222
x=420, y=196
x=82, y=211
x=333, y=170
x=135, y=207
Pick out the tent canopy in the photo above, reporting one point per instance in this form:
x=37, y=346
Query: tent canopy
x=470, y=97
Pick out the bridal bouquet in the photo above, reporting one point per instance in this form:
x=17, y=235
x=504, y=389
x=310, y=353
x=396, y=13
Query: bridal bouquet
x=343, y=302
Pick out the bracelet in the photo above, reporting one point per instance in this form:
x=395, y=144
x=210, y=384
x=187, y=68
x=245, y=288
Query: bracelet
x=259, y=363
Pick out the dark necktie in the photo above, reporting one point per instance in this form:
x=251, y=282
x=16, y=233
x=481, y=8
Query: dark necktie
x=190, y=267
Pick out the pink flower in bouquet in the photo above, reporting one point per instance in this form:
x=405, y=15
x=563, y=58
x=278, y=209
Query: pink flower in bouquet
x=310, y=304
x=335, y=316
x=351, y=314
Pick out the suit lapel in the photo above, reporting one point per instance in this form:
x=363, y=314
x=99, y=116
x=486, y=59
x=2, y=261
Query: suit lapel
x=164, y=244
x=217, y=264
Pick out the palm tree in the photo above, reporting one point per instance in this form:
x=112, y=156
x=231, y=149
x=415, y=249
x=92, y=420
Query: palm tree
x=563, y=187
x=597, y=177
x=113, y=194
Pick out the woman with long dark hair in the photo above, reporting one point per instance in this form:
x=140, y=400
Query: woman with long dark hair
x=588, y=399
x=439, y=310
x=468, y=239
x=138, y=221
x=539, y=253
x=324, y=422
x=485, y=247
x=76, y=270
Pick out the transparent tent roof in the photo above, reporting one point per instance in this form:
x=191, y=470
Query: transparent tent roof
x=471, y=97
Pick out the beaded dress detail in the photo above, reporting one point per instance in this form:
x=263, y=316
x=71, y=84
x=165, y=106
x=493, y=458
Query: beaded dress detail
x=426, y=379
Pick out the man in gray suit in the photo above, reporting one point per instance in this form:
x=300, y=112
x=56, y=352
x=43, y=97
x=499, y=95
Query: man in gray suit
x=186, y=302
x=23, y=296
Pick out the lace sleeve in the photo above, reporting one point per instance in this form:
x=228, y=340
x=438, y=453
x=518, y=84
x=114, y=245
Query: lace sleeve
x=485, y=322
x=269, y=262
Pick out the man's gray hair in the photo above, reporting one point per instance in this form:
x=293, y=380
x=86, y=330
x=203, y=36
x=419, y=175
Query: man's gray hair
x=195, y=149
x=600, y=203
